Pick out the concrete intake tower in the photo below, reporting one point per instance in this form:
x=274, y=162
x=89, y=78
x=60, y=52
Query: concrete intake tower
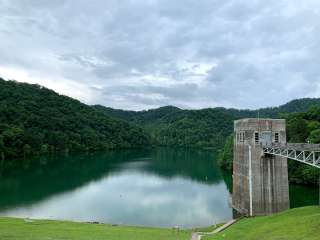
x=260, y=182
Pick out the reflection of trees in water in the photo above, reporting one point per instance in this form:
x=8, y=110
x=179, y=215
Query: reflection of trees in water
x=301, y=195
x=49, y=175
x=198, y=165
x=41, y=177
x=227, y=177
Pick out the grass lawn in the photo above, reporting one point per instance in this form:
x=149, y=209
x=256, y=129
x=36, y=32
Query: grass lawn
x=16, y=229
x=300, y=223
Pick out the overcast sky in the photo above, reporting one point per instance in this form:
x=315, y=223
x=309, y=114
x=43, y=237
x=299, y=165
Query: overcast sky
x=142, y=54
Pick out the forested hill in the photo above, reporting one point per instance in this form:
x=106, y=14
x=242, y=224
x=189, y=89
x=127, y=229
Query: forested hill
x=34, y=119
x=171, y=126
x=140, y=117
x=147, y=116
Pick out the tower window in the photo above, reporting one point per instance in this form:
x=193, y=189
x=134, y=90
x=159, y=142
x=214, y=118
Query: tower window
x=256, y=137
x=242, y=137
x=276, y=137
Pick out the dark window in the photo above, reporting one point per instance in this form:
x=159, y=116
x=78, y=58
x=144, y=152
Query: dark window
x=242, y=137
x=276, y=137
x=256, y=137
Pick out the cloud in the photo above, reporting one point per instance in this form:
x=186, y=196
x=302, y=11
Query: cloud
x=143, y=54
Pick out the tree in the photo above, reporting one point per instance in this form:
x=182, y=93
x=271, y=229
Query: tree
x=297, y=129
x=314, y=136
x=225, y=158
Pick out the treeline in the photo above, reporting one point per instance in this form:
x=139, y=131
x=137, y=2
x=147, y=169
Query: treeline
x=35, y=120
x=205, y=128
x=171, y=126
x=301, y=128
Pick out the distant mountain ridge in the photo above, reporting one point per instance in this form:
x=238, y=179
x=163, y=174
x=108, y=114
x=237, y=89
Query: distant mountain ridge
x=297, y=105
x=172, y=126
x=34, y=120
x=141, y=117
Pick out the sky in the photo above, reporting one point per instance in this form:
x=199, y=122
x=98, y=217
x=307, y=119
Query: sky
x=142, y=54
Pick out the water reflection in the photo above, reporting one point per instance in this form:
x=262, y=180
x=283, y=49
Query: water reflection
x=161, y=187
x=157, y=187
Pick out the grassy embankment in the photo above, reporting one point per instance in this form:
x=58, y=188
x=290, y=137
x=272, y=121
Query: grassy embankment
x=294, y=224
x=20, y=229
x=300, y=223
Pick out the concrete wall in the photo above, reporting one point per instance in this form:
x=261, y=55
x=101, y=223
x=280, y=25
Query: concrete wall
x=270, y=191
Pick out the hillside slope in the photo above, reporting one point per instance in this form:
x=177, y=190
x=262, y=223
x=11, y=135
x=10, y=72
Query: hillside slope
x=171, y=126
x=26, y=229
x=34, y=119
x=294, y=224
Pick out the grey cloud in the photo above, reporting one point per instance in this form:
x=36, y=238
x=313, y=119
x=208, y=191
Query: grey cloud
x=151, y=96
x=210, y=53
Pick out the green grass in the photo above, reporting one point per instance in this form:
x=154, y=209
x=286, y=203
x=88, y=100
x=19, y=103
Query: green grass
x=16, y=229
x=300, y=223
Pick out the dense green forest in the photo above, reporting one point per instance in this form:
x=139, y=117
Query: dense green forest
x=301, y=127
x=36, y=120
x=171, y=126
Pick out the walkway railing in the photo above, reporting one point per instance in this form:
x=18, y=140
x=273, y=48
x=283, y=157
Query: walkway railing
x=302, y=152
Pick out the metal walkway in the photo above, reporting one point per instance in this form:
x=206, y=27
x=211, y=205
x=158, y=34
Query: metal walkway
x=305, y=153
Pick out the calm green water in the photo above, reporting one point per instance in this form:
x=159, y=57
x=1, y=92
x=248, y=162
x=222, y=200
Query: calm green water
x=159, y=187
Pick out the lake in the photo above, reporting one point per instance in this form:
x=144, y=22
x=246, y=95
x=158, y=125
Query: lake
x=157, y=187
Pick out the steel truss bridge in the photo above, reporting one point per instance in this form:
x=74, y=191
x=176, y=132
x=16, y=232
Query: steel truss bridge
x=302, y=152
